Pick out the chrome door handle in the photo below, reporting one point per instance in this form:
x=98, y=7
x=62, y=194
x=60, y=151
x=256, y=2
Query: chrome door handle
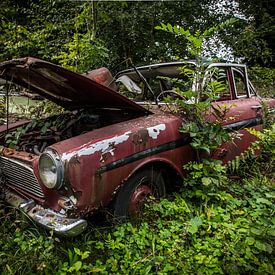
x=256, y=107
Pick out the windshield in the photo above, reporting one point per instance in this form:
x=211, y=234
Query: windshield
x=149, y=83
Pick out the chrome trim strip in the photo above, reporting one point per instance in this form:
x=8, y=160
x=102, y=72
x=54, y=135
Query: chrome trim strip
x=17, y=162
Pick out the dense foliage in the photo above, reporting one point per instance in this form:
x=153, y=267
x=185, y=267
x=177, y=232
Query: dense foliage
x=264, y=80
x=84, y=35
x=113, y=31
x=257, y=39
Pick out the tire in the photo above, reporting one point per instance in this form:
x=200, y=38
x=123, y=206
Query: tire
x=132, y=196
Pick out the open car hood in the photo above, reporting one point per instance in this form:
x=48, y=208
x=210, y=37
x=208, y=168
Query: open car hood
x=64, y=87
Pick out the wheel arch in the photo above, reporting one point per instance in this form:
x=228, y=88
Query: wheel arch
x=172, y=174
x=163, y=179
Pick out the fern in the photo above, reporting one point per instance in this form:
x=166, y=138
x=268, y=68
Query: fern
x=259, y=156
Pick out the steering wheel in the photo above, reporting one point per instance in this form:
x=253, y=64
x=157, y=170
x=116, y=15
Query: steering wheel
x=175, y=95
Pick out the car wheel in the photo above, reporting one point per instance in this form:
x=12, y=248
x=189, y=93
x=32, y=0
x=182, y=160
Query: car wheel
x=133, y=195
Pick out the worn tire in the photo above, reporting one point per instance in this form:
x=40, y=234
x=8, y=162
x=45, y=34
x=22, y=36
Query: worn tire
x=131, y=197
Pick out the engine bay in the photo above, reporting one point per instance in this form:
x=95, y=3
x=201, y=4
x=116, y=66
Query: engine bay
x=35, y=136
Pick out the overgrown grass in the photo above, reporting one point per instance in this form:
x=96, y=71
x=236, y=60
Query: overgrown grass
x=231, y=230
x=199, y=230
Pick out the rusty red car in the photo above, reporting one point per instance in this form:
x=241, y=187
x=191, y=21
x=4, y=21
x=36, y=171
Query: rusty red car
x=107, y=150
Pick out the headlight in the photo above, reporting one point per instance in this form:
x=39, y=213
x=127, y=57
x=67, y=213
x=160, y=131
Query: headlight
x=51, y=170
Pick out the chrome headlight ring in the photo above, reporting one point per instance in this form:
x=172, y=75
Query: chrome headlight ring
x=51, y=169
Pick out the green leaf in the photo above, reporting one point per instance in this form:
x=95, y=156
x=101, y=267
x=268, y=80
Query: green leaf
x=163, y=27
x=78, y=265
x=170, y=28
x=271, y=232
x=195, y=223
x=256, y=231
x=176, y=29
x=263, y=246
x=184, y=32
x=158, y=28
x=264, y=201
x=85, y=255
x=77, y=251
x=250, y=240
x=270, y=195
x=206, y=181
x=205, y=149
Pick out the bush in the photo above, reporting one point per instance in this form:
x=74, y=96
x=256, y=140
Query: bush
x=264, y=80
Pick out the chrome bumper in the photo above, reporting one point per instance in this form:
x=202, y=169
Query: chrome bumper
x=48, y=218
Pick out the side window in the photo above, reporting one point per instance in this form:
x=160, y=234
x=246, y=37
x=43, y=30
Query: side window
x=240, y=83
x=219, y=74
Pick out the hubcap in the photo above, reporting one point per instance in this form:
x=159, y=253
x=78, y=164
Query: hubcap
x=138, y=198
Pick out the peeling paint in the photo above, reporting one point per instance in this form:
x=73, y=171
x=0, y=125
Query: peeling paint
x=155, y=130
x=100, y=146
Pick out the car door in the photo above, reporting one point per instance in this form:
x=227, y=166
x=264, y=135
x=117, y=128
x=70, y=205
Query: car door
x=242, y=110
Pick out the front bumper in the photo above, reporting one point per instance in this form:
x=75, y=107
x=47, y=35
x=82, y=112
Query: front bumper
x=47, y=218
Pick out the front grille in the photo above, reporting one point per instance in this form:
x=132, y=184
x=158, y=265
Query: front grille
x=19, y=175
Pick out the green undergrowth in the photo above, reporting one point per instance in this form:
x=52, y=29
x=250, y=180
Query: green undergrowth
x=223, y=228
x=197, y=230
x=230, y=231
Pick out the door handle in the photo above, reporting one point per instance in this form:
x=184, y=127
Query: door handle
x=256, y=107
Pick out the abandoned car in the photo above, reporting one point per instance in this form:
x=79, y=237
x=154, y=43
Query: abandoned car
x=106, y=149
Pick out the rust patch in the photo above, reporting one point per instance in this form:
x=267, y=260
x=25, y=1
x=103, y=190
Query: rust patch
x=66, y=203
x=12, y=199
x=23, y=156
x=109, y=151
x=141, y=137
x=8, y=152
x=74, y=160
